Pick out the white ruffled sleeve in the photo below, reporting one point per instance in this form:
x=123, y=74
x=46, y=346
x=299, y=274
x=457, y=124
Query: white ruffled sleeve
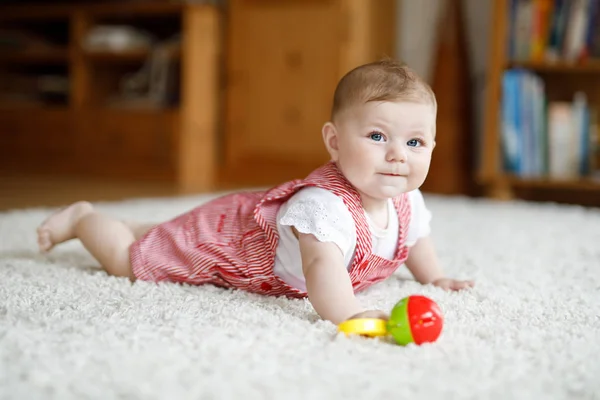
x=319, y=212
x=420, y=218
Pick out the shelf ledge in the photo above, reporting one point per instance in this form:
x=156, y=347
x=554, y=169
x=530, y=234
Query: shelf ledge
x=549, y=183
x=592, y=66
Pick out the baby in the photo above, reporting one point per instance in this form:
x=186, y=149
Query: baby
x=346, y=226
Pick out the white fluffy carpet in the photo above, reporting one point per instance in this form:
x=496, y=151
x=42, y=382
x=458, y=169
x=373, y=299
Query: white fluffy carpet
x=529, y=330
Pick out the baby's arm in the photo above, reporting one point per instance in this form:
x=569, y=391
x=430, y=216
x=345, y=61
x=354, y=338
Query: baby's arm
x=423, y=263
x=328, y=282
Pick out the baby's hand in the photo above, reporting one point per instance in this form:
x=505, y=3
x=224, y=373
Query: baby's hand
x=371, y=314
x=452, y=284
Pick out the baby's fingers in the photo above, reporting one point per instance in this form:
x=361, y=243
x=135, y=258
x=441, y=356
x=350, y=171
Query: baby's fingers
x=371, y=314
x=459, y=285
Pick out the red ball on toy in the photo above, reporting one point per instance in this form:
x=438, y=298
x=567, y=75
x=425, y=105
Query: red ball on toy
x=415, y=319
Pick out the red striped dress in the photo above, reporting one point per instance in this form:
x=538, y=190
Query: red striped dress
x=231, y=241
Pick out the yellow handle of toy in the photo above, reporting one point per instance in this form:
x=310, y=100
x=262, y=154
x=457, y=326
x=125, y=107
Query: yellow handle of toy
x=371, y=327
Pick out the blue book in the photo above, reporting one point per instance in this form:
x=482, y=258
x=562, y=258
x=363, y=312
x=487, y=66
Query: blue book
x=511, y=122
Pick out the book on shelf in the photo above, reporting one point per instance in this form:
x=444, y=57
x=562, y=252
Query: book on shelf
x=553, y=30
x=546, y=139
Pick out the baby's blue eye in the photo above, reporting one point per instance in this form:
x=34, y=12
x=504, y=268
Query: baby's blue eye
x=413, y=143
x=378, y=137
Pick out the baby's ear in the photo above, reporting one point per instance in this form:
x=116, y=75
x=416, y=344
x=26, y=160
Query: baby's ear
x=330, y=138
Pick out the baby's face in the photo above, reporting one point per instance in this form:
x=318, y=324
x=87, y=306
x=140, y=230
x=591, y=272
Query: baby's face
x=384, y=148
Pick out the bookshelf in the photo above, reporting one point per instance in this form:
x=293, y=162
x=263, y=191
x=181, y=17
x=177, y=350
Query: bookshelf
x=560, y=77
x=81, y=124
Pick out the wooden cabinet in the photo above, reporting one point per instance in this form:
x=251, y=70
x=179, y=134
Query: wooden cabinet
x=36, y=136
x=249, y=111
x=142, y=143
x=83, y=133
x=284, y=59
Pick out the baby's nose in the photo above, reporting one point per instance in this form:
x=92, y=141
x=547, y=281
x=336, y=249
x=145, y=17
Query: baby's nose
x=397, y=153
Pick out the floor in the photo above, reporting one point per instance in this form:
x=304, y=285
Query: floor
x=529, y=329
x=24, y=191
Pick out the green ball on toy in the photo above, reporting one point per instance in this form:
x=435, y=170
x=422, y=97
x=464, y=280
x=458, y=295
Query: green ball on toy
x=415, y=319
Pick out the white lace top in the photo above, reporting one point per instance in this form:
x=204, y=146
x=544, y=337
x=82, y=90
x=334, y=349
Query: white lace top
x=323, y=214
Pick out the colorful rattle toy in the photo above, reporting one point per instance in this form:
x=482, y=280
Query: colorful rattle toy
x=414, y=319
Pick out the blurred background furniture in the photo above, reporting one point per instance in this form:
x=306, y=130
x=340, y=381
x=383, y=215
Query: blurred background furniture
x=541, y=136
x=452, y=164
x=163, y=97
x=121, y=90
x=146, y=91
x=284, y=59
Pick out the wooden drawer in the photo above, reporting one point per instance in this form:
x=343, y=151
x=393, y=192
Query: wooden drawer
x=128, y=136
x=35, y=133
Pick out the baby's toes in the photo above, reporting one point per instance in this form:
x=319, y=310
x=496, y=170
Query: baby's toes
x=44, y=241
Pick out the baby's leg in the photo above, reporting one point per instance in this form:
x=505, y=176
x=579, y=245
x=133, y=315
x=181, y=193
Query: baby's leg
x=107, y=239
x=139, y=229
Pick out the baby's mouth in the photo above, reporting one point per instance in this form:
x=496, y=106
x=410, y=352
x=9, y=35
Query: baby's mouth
x=391, y=174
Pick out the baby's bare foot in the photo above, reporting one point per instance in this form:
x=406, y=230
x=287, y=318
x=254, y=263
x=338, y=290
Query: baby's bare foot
x=60, y=226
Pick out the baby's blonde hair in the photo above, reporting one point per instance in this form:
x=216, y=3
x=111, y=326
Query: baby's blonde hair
x=383, y=80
